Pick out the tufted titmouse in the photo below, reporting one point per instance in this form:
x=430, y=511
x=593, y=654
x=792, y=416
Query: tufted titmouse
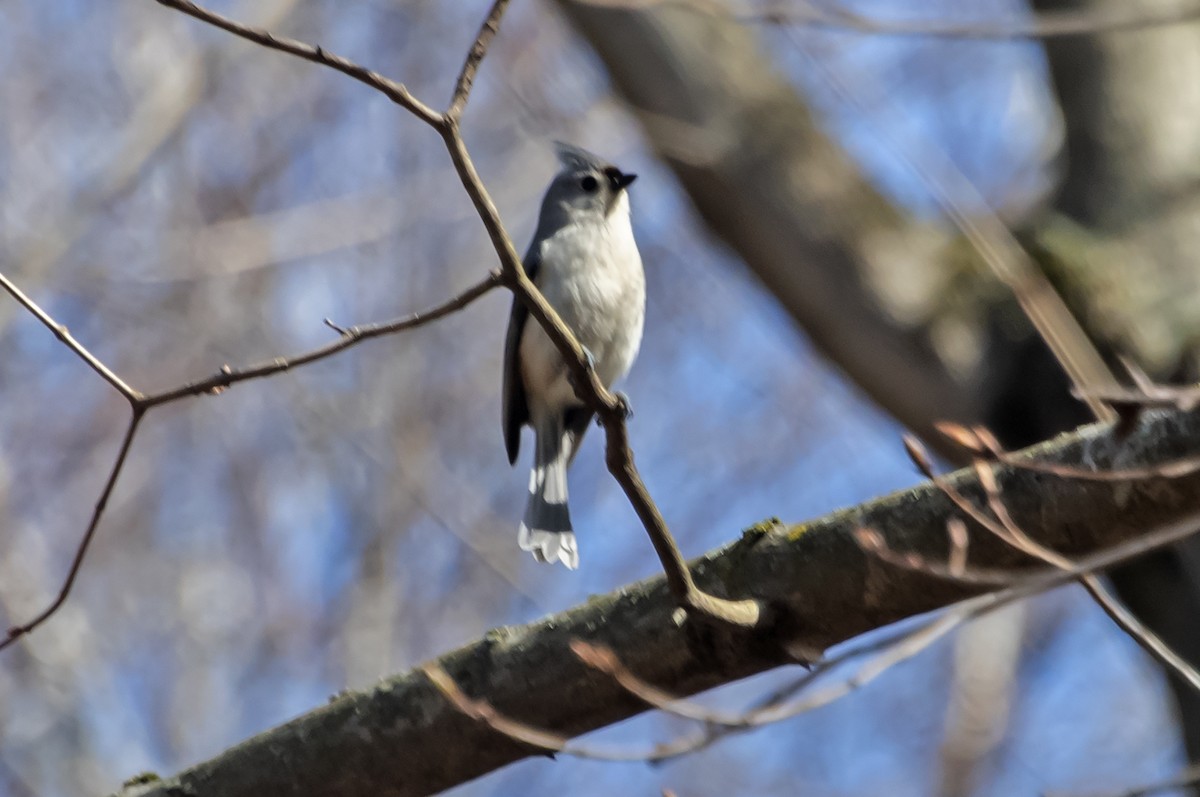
x=584, y=260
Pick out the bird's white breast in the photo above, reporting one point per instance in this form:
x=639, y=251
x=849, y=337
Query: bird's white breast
x=591, y=273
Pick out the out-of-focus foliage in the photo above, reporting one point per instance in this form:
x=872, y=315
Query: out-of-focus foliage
x=182, y=199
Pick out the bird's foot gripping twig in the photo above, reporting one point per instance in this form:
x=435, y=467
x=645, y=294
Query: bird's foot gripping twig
x=623, y=404
x=624, y=408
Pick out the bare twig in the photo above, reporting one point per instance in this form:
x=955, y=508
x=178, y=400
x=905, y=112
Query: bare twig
x=711, y=733
x=1184, y=398
x=956, y=531
x=1014, y=535
x=773, y=709
x=909, y=645
x=329, y=323
x=466, y=78
x=352, y=336
x=1150, y=642
x=1168, y=470
x=396, y=92
x=141, y=403
x=982, y=443
x=16, y=632
x=63, y=334
x=619, y=458
x=482, y=711
x=871, y=542
x=1007, y=530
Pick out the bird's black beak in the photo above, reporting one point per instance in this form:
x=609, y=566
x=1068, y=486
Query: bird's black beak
x=617, y=179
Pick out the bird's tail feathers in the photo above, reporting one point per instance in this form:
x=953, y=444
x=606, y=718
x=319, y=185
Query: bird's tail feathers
x=546, y=528
x=550, y=546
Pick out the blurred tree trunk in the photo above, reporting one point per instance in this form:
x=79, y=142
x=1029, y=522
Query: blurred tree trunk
x=1133, y=168
x=872, y=287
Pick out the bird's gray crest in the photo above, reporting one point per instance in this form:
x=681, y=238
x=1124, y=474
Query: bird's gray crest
x=577, y=159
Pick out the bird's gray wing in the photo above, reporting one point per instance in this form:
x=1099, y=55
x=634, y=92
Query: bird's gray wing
x=515, y=409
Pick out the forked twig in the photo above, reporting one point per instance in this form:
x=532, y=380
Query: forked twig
x=611, y=412
x=141, y=403
x=512, y=275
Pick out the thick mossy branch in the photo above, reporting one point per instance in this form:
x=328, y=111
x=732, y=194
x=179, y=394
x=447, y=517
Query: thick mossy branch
x=403, y=738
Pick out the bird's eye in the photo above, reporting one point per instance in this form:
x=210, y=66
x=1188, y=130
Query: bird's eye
x=589, y=184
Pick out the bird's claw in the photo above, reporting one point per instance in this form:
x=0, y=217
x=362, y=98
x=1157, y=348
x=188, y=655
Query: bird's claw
x=624, y=407
x=624, y=404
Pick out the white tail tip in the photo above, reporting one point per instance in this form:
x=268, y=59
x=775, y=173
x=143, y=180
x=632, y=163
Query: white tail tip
x=550, y=546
